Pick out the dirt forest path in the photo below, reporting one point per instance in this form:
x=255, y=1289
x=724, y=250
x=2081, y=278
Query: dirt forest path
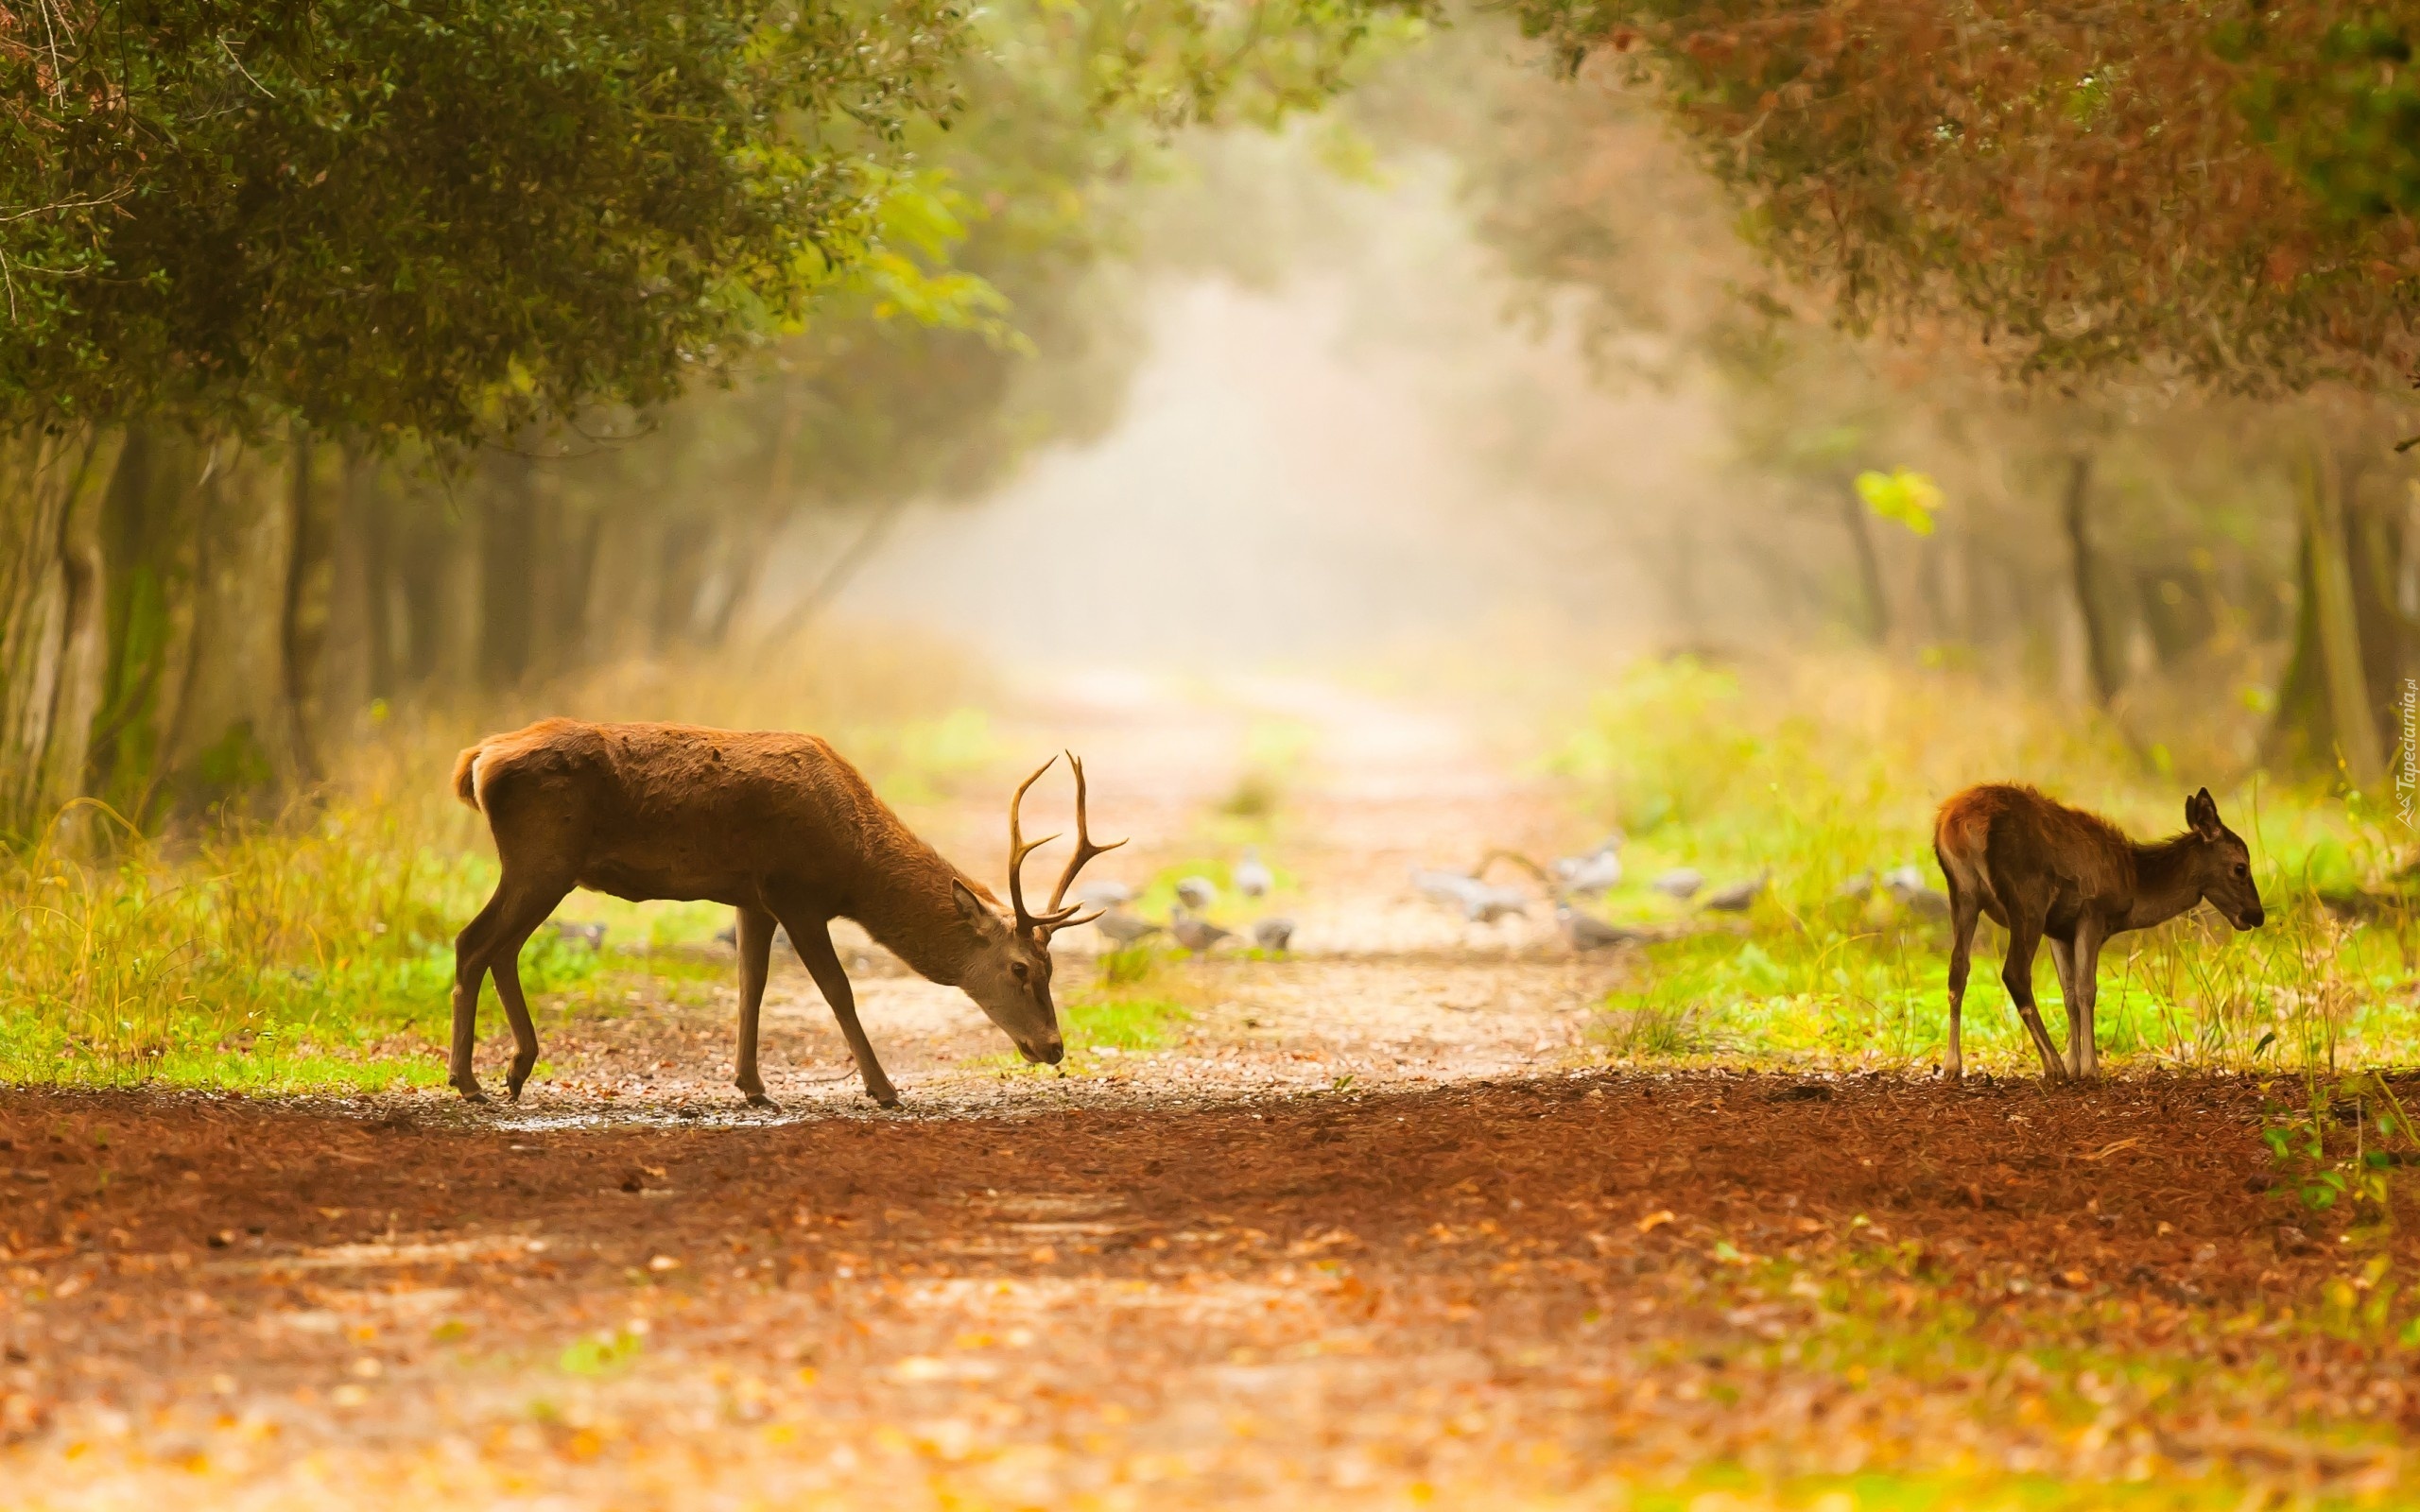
x=1381, y=986
x=1374, y=1231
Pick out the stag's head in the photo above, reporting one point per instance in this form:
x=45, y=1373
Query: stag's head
x=1008, y=974
x=2223, y=864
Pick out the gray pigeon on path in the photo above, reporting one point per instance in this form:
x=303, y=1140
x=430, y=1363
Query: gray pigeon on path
x=1488, y=905
x=1586, y=932
x=1908, y=884
x=1681, y=882
x=1194, y=933
x=1736, y=897
x=1102, y=892
x=1274, y=934
x=1449, y=889
x=1197, y=892
x=1252, y=876
x=1123, y=928
x=1592, y=872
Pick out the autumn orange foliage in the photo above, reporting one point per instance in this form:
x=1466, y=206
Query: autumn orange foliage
x=2093, y=187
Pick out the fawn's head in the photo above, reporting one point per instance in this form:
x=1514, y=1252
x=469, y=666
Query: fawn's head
x=1009, y=973
x=2221, y=864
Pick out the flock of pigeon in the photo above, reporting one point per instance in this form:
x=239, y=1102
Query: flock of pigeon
x=1597, y=871
x=1195, y=897
x=1591, y=874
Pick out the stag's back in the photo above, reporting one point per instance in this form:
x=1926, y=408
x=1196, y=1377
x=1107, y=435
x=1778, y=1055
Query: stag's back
x=679, y=810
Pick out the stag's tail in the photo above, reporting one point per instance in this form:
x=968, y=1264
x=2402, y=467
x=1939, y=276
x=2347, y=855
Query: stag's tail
x=466, y=774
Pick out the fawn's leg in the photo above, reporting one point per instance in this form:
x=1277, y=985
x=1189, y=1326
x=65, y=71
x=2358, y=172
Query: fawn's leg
x=2063, y=960
x=755, y=962
x=1964, y=908
x=2024, y=934
x=2090, y=939
x=812, y=938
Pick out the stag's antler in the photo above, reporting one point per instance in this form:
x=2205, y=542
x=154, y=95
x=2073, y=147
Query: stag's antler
x=1053, y=917
x=1019, y=847
x=1085, y=850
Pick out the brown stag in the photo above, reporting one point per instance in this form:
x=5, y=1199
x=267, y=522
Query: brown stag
x=2044, y=871
x=776, y=825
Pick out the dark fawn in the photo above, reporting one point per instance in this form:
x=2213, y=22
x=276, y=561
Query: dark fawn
x=777, y=826
x=2044, y=871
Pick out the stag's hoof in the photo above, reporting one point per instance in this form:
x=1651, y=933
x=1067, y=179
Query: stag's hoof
x=760, y=1100
x=470, y=1091
x=884, y=1096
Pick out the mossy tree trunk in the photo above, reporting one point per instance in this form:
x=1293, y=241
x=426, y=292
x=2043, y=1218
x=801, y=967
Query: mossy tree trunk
x=2351, y=640
x=2100, y=648
x=53, y=623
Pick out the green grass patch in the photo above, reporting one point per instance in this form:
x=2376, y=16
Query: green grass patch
x=1124, y=1022
x=1816, y=777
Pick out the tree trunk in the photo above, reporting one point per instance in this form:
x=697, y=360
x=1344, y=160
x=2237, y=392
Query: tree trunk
x=1869, y=566
x=303, y=611
x=508, y=572
x=226, y=744
x=2326, y=702
x=680, y=576
x=52, y=604
x=341, y=684
x=2099, y=654
x=844, y=568
x=373, y=511
x=158, y=540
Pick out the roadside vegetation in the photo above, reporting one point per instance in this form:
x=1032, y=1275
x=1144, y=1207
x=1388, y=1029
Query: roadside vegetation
x=1824, y=774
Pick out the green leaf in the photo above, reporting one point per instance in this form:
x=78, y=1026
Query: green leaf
x=1902, y=495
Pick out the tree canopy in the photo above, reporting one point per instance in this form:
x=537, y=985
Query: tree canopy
x=432, y=217
x=2217, y=192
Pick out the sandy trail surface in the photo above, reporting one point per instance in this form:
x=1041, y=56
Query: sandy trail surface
x=1377, y=1230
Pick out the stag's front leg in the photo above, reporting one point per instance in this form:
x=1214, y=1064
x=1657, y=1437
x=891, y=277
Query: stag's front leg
x=813, y=940
x=756, y=934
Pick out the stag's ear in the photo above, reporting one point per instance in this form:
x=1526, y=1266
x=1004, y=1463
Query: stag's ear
x=970, y=908
x=2202, y=815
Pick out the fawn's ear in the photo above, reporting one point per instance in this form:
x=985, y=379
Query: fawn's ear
x=2202, y=815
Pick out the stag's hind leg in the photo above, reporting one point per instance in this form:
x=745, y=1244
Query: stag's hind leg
x=756, y=934
x=469, y=970
x=490, y=944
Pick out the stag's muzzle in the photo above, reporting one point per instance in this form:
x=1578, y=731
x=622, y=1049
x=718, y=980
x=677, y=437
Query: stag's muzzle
x=1048, y=1053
